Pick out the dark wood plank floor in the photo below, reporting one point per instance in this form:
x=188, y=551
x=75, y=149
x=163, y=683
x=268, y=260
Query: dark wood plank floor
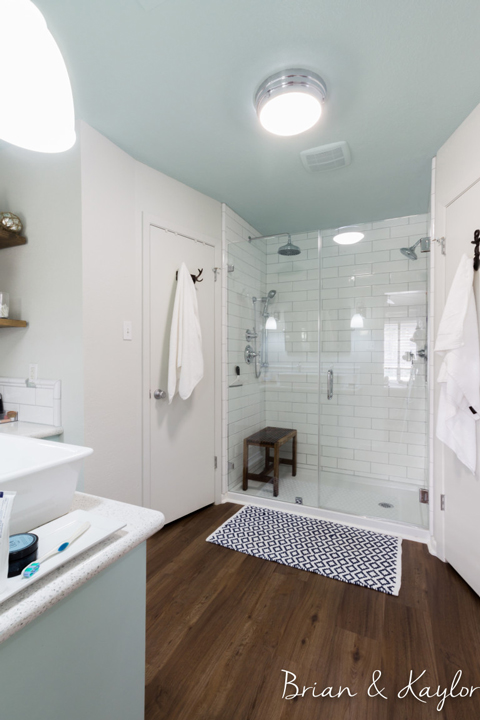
x=221, y=627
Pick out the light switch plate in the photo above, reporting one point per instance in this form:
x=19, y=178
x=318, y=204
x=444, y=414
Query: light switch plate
x=33, y=372
x=127, y=329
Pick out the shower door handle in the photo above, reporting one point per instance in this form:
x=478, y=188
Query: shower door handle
x=329, y=384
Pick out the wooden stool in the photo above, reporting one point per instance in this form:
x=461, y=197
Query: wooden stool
x=270, y=437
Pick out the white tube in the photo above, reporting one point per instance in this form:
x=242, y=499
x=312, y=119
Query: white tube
x=6, y=503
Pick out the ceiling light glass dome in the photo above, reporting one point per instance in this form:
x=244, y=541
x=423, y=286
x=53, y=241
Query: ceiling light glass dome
x=290, y=102
x=37, y=103
x=348, y=235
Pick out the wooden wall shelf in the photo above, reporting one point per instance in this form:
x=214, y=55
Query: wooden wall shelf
x=10, y=239
x=7, y=322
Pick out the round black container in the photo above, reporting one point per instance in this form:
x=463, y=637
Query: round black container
x=23, y=551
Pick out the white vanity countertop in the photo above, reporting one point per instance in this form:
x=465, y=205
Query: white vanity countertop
x=30, y=429
x=141, y=523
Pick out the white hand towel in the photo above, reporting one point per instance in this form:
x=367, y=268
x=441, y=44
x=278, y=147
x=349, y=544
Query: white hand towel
x=459, y=404
x=185, y=362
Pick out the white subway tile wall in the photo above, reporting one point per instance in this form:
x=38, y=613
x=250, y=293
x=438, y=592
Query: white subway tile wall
x=39, y=404
x=292, y=376
x=246, y=402
x=375, y=425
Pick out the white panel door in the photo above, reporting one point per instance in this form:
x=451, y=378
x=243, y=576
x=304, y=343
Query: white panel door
x=462, y=489
x=181, y=435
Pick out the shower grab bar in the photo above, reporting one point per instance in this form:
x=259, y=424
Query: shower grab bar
x=329, y=384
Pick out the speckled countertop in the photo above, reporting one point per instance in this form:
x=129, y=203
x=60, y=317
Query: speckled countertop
x=30, y=429
x=42, y=595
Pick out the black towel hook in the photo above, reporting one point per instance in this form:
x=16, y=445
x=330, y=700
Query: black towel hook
x=476, y=242
x=195, y=278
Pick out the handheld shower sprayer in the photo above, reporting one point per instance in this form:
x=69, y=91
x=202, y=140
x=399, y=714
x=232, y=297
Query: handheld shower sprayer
x=266, y=300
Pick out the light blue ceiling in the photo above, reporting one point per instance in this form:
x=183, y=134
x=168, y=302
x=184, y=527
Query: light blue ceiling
x=174, y=86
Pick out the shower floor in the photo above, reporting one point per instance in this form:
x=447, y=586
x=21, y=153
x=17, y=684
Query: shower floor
x=336, y=491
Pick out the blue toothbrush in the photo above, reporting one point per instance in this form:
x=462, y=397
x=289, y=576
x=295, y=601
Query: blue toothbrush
x=34, y=567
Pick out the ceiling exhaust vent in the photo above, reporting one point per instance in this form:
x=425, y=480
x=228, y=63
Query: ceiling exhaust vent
x=327, y=157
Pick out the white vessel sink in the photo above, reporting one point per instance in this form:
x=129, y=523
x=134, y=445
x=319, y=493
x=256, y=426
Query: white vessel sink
x=44, y=475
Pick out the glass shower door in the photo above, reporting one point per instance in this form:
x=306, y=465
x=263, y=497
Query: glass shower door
x=373, y=364
x=275, y=297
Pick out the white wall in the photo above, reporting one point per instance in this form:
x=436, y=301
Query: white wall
x=116, y=191
x=110, y=295
x=43, y=277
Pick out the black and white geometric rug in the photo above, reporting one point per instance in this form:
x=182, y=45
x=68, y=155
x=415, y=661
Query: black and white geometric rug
x=340, y=552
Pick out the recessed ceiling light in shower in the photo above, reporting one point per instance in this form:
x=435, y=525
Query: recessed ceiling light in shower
x=348, y=236
x=290, y=102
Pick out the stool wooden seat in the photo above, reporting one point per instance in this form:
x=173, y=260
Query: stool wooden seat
x=270, y=437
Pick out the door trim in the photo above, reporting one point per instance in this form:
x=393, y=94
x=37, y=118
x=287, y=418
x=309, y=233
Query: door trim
x=148, y=221
x=439, y=207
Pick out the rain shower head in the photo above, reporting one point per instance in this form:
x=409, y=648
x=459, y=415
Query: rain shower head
x=289, y=248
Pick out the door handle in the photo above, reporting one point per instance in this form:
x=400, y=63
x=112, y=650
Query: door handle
x=329, y=384
x=159, y=394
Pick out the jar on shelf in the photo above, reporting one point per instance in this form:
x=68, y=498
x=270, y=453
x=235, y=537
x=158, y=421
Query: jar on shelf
x=4, y=304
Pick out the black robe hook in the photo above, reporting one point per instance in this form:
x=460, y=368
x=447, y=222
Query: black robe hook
x=476, y=242
x=195, y=278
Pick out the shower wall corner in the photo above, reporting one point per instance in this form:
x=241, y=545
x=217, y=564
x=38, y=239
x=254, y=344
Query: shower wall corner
x=243, y=396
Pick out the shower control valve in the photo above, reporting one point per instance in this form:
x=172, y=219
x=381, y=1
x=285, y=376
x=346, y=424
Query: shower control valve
x=249, y=354
x=250, y=335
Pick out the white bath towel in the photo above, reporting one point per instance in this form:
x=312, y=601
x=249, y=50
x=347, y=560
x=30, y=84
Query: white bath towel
x=459, y=375
x=185, y=362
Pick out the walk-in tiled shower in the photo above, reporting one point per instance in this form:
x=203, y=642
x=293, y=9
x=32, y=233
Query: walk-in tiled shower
x=341, y=358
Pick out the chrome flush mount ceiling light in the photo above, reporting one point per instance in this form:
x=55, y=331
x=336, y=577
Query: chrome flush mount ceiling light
x=348, y=235
x=290, y=102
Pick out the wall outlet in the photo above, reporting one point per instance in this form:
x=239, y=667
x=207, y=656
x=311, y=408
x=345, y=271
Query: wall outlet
x=33, y=372
x=127, y=330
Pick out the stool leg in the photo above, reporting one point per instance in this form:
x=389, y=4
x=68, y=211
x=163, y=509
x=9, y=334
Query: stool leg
x=245, y=465
x=276, y=470
x=267, y=459
x=294, y=456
